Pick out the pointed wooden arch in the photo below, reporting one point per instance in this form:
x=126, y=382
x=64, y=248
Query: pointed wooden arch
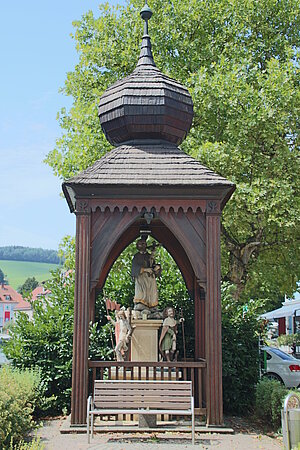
x=190, y=231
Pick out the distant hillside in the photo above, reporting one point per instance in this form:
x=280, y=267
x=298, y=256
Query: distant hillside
x=17, y=253
x=16, y=272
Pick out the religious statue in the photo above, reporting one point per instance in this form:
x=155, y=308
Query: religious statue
x=167, y=341
x=123, y=332
x=144, y=272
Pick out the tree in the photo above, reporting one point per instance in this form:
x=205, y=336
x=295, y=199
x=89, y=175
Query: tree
x=28, y=286
x=45, y=343
x=239, y=60
x=2, y=277
x=18, y=253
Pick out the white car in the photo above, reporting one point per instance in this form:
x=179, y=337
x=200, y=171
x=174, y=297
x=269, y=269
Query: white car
x=278, y=365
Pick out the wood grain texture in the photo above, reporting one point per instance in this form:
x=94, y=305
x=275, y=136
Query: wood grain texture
x=213, y=341
x=81, y=320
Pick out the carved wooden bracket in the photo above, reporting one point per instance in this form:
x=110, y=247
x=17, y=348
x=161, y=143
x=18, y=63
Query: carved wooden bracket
x=202, y=284
x=213, y=207
x=82, y=207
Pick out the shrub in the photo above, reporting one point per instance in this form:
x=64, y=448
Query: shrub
x=270, y=395
x=35, y=444
x=19, y=393
x=263, y=396
x=240, y=353
x=45, y=343
x=288, y=339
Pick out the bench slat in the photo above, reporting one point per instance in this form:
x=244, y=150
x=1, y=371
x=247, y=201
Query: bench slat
x=140, y=396
x=136, y=405
x=158, y=385
x=141, y=392
x=179, y=412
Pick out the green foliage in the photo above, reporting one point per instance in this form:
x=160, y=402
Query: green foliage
x=288, y=339
x=46, y=341
x=28, y=286
x=240, y=352
x=20, y=392
x=66, y=252
x=269, y=398
x=34, y=444
x=263, y=396
x=2, y=276
x=17, y=253
x=239, y=60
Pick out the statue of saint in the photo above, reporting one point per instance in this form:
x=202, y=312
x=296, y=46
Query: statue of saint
x=167, y=341
x=123, y=332
x=144, y=272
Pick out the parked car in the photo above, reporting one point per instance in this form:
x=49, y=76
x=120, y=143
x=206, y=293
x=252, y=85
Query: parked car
x=3, y=359
x=278, y=365
x=3, y=341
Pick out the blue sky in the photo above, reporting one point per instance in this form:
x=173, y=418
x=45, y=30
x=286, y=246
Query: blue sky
x=36, y=53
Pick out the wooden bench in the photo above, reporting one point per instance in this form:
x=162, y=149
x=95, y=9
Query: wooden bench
x=140, y=397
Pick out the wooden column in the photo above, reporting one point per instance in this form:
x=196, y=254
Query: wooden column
x=213, y=333
x=199, y=320
x=81, y=315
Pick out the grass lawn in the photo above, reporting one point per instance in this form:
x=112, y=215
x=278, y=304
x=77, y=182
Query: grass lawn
x=16, y=272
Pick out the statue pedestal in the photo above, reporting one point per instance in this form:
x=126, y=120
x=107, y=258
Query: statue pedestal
x=144, y=342
x=144, y=347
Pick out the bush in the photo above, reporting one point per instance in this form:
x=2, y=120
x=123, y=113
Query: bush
x=19, y=393
x=35, y=444
x=240, y=353
x=269, y=398
x=46, y=342
x=288, y=339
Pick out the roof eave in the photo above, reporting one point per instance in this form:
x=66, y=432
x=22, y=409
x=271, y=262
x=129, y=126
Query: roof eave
x=75, y=191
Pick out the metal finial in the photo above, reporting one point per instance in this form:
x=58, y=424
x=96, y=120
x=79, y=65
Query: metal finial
x=146, y=15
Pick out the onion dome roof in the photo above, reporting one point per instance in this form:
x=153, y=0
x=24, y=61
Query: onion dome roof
x=146, y=105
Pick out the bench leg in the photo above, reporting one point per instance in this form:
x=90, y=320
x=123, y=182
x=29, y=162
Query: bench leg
x=92, y=426
x=88, y=418
x=193, y=422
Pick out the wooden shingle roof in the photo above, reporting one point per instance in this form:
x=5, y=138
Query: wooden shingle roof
x=145, y=164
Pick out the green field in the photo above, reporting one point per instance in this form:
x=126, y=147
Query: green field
x=16, y=272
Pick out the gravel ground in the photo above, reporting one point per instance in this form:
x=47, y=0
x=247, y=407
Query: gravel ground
x=248, y=440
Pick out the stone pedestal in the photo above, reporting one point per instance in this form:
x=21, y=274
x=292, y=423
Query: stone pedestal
x=144, y=347
x=144, y=342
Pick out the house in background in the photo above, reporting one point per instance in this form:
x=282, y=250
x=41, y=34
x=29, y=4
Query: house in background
x=39, y=292
x=10, y=303
x=288, y=316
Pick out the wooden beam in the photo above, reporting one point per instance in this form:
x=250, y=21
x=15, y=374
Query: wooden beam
x=213, y=336
x=199, y=320
x=81, y=316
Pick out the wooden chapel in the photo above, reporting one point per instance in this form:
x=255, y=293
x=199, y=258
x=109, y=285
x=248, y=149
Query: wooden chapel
x=147, y=179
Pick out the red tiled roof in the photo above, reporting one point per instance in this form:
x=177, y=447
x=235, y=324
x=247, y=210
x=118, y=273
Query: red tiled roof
x=38, y=292
x=15, y=297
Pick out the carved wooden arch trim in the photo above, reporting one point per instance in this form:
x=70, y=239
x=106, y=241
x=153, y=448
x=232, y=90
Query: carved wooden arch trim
x=107, y=228
x=113, y=232
x=174, y=204
x=190, y=230
x=164, y=236
x=110, y=225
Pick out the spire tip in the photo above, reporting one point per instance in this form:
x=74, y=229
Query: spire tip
x=146, y=12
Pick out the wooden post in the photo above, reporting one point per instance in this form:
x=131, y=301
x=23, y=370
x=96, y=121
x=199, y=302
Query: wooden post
x=81, y=315
x=213, y=332
x=199, y=308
